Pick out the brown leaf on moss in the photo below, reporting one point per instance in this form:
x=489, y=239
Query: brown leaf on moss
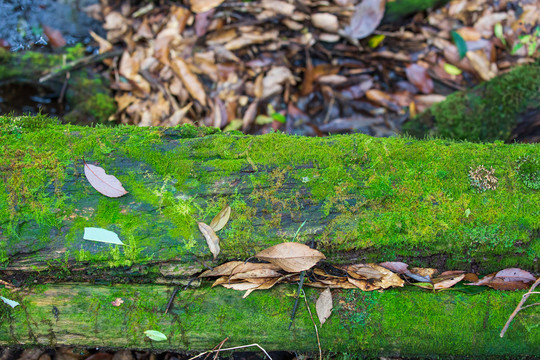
x=446, y=281
x=363, y=285
x=221, y=219
x=324, y=306
x=291, y=257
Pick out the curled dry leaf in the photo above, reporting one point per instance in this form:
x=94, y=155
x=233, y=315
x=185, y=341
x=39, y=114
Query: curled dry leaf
x=191, y=81
x=291, y=257
x=444, y=282
x=220, y=220
x=324, y=305
x=211, y=238
x=107, y=185
x=367, y=16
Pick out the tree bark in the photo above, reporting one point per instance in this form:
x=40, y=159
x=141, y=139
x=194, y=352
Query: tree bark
x=362, y=200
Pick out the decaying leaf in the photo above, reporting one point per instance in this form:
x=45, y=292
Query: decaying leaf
x=220, y=220
x=117, y=302
x=56, y=39
x=235, y=267
x=367, y=16
x=388, y=279
x=363, y=285
x=101, y=235
x=418, y=76
x=107, y=185
x=253, y=274
x=515, y=274
x=240, y=286
x=211, y=238
x=444, y=282
x=324, y=305
x=396, y=266
x=291, y=257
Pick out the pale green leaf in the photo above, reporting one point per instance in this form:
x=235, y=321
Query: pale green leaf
x=451, y=69
x=101, y=235
x=155, y=335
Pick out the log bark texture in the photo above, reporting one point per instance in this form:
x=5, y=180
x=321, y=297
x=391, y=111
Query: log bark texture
x=363, y=200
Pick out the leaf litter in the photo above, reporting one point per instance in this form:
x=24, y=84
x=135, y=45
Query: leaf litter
x=207, y=61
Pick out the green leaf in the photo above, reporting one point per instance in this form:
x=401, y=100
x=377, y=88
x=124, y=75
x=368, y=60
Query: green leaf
x=375, y=41
x=101, y=235
x=263, y=119
x=532, y=48
x=460, y=43
x=498, y=31
x=451, y=69
x=516, y=48
x=279, y=117
x=467, y=213
x=155, y=335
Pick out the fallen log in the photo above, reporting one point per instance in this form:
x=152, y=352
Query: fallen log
x=362, y=199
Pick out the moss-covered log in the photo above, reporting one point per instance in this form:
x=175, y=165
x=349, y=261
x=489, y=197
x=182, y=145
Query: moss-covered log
x=504, y=108
x=363, y=200
x=396, y=322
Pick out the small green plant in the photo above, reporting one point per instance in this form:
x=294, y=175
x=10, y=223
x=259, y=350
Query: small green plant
x=4, y=259
x=530, y=41
x=528, y=169
x=83, y=255
x=482, y=179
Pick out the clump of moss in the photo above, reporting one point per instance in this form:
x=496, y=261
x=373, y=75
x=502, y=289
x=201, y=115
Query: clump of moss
x=528, y=169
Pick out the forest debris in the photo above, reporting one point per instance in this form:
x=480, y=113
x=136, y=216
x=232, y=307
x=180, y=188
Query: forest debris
x=324, y=306
x=107, y=185
x=221, y=219
x=367, y=16
x=211, y=238
x=292, y=257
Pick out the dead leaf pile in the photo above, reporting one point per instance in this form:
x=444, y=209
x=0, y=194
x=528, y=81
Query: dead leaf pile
x=287, y=260
x=308, y=67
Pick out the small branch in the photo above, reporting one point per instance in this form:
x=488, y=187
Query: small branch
x=520, y=305
x=300, y=285
x=314, y=325
x=75, y=64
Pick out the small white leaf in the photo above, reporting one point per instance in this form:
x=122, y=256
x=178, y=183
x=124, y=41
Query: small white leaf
x=101, y=235
x=9, y=302
x=324, y=305
x=155, y=335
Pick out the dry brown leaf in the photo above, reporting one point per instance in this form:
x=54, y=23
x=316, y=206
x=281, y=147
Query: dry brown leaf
x=362, y=271
x=332, y=284
x=191, y=81
x=258, y=273
x=240, y=286
x=425, y=272
x=221, y=219
x=363, y=285
x=266, y=285
x=280, y=7
x=211, y=238
x=418, y=76
x=327, y=22
x=291, y=257
x=56, y=39
x=249, y=115
x=104, y=45
x=444, y=282
x=199, y=6
x=481, y=64
x=389, y=279
x=235, y=267
x=382, y=98
x=367, y=16
x=324, y=305
x=396, y=266
x=274, y=79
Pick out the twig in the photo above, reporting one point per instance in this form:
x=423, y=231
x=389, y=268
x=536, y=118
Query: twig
x=75, y=64
x=219, y=347
x=233, y=348
x=171, y=299
x=300, y=285
x=520, y=305
x=316, y=331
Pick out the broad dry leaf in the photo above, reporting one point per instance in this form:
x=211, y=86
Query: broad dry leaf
x=362, y=271
x=249, y=115
x=389, y=279
x=515, y=274
x=367, y=16
x=199, y=6
x=104, y=45
x=444, y=282
x=482, y=65
x=107, y=185
x=291, y=257
x=418, y=76
x=324, y=305
x=253, y=274
x=240, y=286
x=363, y=285
x=236, y=267
x=220, y=220
x=266, y=285
x=56, y=39
x=396, y=266
x=327, y=22
x=382, y=98
x=211, y=238
x=191, y=81
x=275, y=78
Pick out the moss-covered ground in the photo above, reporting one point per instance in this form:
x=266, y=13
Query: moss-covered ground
x=487, y=112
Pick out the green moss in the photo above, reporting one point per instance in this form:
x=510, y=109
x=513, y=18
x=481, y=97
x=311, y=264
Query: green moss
x=528, y=169
x=486, y=113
